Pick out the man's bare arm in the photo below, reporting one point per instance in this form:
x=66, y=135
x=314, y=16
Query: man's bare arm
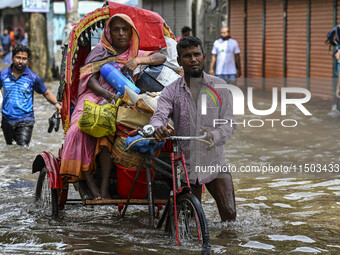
x=337, y=92
x=212, y=63
x=238, y=64
x=53, y=100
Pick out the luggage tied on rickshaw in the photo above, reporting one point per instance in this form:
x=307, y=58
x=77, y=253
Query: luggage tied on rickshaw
x=134, y=114
x=99, y=120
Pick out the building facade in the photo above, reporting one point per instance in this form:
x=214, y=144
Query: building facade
x=286, y=39
x=176, y=13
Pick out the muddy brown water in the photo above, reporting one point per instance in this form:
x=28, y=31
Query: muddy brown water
x=295, y=211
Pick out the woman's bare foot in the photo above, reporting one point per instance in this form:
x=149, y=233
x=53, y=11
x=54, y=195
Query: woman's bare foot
x=92, y=186
x=105, y=195
x=106, y=165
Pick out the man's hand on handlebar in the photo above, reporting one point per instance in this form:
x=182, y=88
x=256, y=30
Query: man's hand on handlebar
x=160, y=133
x=209, y=138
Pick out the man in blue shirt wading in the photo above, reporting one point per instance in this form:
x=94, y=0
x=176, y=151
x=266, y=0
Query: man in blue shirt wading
x=19, y=83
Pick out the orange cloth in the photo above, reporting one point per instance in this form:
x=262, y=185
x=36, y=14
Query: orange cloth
x=11, y=34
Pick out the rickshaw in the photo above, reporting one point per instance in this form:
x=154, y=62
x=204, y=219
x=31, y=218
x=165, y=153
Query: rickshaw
x=183, y=214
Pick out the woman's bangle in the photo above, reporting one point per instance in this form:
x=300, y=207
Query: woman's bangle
x=112, y=99
x=56, y=103
x=150, y=60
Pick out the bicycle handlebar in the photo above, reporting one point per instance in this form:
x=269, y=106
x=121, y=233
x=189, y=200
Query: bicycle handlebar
x=174, y=138
x=186, y=138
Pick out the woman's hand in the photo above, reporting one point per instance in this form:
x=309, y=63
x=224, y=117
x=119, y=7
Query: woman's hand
x=154, y=60
x=109, y=96
x=130, y=66
x=115, y=98
x=96, y=88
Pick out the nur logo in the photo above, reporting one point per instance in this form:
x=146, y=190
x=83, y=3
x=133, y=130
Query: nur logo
x=204, y=97
x=238, y=99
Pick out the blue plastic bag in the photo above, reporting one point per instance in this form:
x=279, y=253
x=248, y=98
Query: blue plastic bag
x=143, y=146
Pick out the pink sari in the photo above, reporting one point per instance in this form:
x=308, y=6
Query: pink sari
x=79, y=150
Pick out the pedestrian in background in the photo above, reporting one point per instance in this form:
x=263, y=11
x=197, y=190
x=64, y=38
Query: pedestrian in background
x=337, y=91
x=5, y=42
x=336, y=74
x=19, y=83
x=226, y=55
x=185, y=32
x=19, y=37
x=333, y=39
x=11, y=34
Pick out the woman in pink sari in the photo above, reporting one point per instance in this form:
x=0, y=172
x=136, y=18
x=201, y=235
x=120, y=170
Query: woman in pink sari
x=119, y=43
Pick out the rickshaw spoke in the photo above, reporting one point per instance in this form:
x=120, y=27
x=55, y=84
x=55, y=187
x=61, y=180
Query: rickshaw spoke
x=46, y=198
x=190, y=219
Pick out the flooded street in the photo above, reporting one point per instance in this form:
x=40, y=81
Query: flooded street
x=287, y=184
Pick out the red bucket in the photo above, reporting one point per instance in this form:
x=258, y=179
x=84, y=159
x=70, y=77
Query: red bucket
x=125, y=177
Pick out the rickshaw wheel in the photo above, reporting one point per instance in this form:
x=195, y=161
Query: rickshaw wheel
x=192, y=224
x=45, y=197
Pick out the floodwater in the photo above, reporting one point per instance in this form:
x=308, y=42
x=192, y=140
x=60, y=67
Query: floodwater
x=292, y=209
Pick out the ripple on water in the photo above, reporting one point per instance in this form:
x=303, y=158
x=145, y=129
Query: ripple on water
x=299, y=238
x=258, y=245
x=297, y=223
x=34, y=248
x=335, y=246
x=265, y=158
x=307, y=250
x=21, y=185
x=261, y=198
x=217, y=249
x=262, y=177
x=305, y=213
x=248, y=221
x=256, y=206
x=247, y=190
x=283, y=183
x=282, y=205
x=320, y=184
x=283, y=152
x=305, y=195
x=240, y=199
x=334, y=188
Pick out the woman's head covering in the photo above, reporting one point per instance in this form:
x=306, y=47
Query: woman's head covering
x=104, y=52
x=106, y=39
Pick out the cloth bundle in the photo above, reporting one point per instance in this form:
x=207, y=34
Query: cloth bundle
x=98, y=120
